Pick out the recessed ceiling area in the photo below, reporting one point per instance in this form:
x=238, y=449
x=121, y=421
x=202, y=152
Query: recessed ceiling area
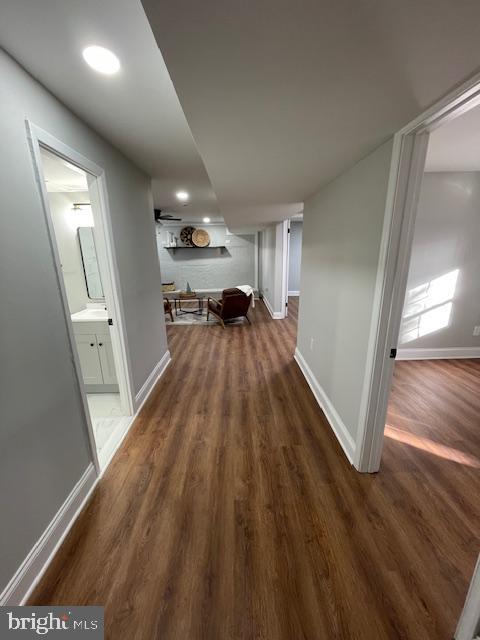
x=136, y=109
x=455, y=146
x=283, y=96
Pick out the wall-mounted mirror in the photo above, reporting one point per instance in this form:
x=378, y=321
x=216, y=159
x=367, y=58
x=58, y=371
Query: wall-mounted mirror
x=90, y=263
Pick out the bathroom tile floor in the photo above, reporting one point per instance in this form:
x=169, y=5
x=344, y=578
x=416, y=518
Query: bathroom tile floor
x=106, y=414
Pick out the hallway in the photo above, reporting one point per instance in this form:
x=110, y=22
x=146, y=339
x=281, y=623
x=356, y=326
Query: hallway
x=231, y=512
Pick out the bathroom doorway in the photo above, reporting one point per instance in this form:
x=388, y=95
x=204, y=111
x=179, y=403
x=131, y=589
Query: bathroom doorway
x=76, y=217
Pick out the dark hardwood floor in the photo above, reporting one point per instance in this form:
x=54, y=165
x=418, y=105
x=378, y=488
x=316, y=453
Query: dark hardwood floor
x=231, y=512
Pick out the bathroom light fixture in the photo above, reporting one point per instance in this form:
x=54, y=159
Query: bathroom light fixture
x=101, y=59
x=206, y=219
x=182, y=196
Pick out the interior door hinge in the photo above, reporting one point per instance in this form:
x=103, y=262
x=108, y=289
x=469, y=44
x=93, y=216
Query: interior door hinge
x=393, y=353
x=110, y=322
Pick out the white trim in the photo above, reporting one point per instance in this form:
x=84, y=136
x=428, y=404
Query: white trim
x=256, y=262
x=285, y=259
x=336, y=423
x=438, y=354
x=115, y=440
x=152, y=380
x=35, y=564
x=469, y=622
x=276, y=315
x=406, y=173
x=42, y=553
x=35, y=135
x=293, y=294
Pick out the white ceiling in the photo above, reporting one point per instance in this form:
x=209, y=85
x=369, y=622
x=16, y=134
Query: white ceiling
x=137, y=109
x=282, y=96
x=455, y=146
x=61, y=176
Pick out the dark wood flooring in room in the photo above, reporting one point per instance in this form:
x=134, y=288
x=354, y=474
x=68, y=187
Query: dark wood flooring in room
x=231, y=512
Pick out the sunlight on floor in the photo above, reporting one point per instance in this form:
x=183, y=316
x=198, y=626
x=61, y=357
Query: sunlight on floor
x=425, y=444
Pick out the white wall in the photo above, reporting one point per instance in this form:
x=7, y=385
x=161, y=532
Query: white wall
x=442, y=304
x=209, y=268
x=342, y=228
x=295, y=256
x=271, y=269
x=43, y=438
x=69, y=247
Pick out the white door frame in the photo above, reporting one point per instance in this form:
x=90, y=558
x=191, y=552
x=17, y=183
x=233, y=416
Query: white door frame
x=38, y=138
x=469, y=623
x=406, y=173
x=285, y=254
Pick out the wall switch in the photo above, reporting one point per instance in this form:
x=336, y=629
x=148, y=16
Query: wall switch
x=476, y=331
x=312, y=341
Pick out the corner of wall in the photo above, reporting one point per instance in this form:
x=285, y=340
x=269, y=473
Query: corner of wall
x=336, y=423
x=152, y=380
x=35, y=564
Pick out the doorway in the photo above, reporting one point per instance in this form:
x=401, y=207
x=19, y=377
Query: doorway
x=438, y=342
x=74, y=198
x=421, y=286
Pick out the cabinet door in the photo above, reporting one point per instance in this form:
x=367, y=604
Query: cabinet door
x=89, y=359
x=107, y=362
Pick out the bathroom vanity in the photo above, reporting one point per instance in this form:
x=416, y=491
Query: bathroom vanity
x=94, y=346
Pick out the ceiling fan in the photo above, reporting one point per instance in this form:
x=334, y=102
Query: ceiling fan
x=167, y=217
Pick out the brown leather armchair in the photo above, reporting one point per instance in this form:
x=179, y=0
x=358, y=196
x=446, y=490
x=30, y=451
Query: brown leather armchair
x=234, y=304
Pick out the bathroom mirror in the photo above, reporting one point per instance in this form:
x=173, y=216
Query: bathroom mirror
x=90, y=263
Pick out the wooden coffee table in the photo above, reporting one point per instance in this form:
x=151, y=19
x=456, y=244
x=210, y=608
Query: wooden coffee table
x=180, y=311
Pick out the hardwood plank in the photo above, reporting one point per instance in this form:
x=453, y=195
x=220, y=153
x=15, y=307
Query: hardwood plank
x=231, y=511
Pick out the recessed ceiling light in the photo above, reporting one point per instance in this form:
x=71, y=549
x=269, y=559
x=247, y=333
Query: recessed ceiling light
x=101, y=59
x=182, y=196
x=206, y=219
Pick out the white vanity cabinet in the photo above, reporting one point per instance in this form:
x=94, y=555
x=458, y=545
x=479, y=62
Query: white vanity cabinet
x=89, y=358
x=107, y=363
x=95, y=351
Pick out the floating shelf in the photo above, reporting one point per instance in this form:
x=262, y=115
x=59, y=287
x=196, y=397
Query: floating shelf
x=221, y=247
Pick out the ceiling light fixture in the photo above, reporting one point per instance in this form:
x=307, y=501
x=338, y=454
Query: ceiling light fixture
x=206, y=219
x=182, y=196
x=101, y=59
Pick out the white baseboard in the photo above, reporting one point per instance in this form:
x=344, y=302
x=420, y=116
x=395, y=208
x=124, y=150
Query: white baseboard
x=151, y=381
x=293, y=294
x=338, y=427
x=438, y=354
x=276, y=315
x=114, y=442
x=35, y=564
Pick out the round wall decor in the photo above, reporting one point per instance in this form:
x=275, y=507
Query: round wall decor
x=200, y=238
x=186, y=236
